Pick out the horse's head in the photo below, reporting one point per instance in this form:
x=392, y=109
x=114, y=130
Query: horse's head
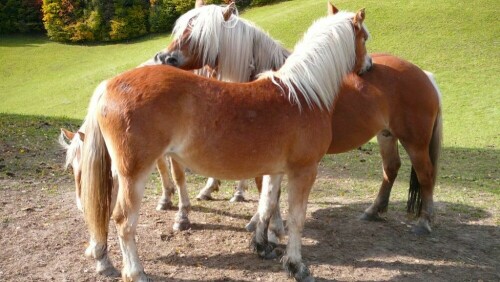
x=363, y=59
x=73, y=157
x=194, y=42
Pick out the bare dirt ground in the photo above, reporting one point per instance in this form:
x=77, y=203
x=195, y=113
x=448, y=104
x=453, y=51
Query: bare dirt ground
x=42, y=238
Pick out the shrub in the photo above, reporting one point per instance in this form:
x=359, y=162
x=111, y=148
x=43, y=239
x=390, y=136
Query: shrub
x=59, y=18
x=182, y=6
x=21, y=16
x=129, y=20
x=162, y=15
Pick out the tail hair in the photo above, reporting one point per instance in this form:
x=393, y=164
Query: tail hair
x=96, y=180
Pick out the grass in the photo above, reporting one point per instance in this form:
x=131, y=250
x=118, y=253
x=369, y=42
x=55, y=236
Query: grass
x=45, y=85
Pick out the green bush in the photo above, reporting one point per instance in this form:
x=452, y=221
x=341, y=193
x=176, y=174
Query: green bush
x=59, y=18
x=162, y=15
x=129, y=20
x=21, y=16
x=182, y=6
x=105, y=20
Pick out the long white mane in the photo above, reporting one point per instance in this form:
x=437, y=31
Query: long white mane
x=319, y=62
x=236, y=47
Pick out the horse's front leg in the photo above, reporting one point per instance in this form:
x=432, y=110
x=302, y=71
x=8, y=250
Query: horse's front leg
x=267, y=207
x=126, y=216
x=181, y=218
x=300, y=183
x=165, y=201
x=206, y=192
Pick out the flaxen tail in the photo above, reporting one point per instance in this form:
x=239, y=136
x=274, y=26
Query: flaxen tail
x=414, y=204
x=96, y=181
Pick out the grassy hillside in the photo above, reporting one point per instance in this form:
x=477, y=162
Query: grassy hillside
x=458, y=42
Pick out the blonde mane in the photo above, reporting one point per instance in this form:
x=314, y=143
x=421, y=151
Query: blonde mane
x=236, y=47
x=319, y=62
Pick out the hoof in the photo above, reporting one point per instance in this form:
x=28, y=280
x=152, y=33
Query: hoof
x=421, y=228
x=141, y=277
x=265, y=250
x=299, y=271
x=202, y=197
x=109, y=272
x=105, y=267
x=182, y=225
x=371, y=217
x=237, y=198
x=164, y=206
x=251, y=226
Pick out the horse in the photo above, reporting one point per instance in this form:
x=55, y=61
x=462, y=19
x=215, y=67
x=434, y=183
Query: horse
x=268, y=55
x=204, y=124
x=406, y=109
x=264, y=60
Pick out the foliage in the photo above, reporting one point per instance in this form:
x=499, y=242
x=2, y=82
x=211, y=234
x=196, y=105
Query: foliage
x=20, y=16
x=98, y=20
x=129, y=20
x=75, y=21
x=182, y=6
x=162, y=15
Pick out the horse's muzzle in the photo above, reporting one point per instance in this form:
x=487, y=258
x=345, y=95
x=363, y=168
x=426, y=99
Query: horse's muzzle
x=166, y=59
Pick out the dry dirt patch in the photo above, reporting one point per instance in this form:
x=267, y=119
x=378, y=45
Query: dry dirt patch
x=43, y=238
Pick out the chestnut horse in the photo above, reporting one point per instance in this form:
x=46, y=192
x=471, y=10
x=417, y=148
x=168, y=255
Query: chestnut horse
x=406, y=109
x=141, y=115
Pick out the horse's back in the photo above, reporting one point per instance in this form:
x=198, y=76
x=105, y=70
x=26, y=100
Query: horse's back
x=252, y=127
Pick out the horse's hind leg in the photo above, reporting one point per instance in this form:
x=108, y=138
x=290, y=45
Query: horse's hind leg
x=211, y=186
x=99, y=252
x=126, y=216
x=165, y=201
x=424, y=169
x=267, y=207
x=239, y=194
x=391, y=163
x=181, y=218
x=300, y=184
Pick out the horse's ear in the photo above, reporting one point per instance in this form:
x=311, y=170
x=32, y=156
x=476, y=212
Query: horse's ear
x=229, y=10
x=82, y=135
x=359, y=18
x=332, y=10
x=67, y=134
x=199, y=3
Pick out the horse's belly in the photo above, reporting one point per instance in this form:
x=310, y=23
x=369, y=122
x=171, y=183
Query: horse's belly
x=231, y=163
